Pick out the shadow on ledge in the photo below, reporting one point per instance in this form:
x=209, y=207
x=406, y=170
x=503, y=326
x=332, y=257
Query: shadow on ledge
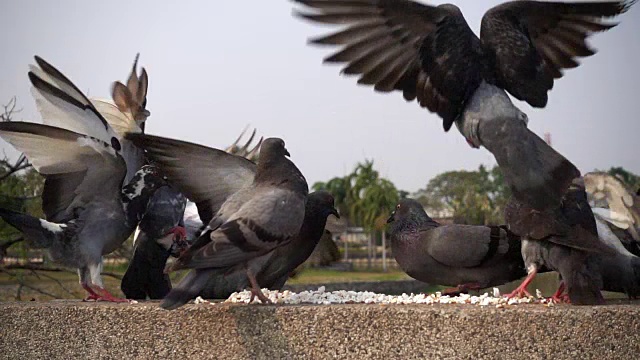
x=73, y=329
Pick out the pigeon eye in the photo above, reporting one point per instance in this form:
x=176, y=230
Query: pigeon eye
x=398, y=207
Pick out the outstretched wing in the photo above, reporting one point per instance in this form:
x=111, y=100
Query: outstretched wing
x=429, y=53
x=533, y=41
x=204, y=175
x=61, y=104
x=78, y=168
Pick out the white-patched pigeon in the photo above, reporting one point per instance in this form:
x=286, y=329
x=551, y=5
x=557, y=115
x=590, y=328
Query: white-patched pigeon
x=88, y=211
x=79, y=154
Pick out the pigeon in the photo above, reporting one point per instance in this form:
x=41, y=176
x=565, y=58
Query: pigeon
x=430, y=54
x=468, y=257
x=248, y=216
x=284, y=260
x=154, y=242
x=564, y=239
x=88, y=211
x=67, y=110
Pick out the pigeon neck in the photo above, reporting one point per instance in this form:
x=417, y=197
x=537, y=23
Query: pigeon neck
x=282, y=173
x=313, y=227
x=413, y=224
x=135, y=198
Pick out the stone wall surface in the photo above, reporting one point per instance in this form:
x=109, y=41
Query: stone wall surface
x=76, y=330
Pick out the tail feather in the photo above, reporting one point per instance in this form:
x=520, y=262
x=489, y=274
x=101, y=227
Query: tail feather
x=38, y=233
x=189, y=288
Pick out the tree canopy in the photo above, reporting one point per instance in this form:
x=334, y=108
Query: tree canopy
x=363, y=197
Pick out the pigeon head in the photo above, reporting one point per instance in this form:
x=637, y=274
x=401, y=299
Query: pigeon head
x=323, y=203
x=409, y=214
x=144, y=182
x=273, y=148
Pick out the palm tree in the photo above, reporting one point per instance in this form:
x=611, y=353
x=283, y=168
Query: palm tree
x=363, y=198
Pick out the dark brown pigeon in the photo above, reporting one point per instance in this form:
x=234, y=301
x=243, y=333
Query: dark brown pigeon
x=430, y=54
x=468, y=257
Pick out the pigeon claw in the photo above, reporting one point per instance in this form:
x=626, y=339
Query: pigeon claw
x=559, y=296
x=105, y=295
x=255, y=289
x=260, y=295
x=521, y=291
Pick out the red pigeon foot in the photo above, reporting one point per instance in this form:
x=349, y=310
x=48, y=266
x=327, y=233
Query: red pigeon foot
x=521, y=291
x=106, y=296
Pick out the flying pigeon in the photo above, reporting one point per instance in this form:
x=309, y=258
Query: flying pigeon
x=430, y=54
x=248, y=216
x=221, y=283
x=468, y=257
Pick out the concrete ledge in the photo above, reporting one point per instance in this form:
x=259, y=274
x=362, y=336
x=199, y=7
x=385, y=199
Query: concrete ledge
x=72, y=329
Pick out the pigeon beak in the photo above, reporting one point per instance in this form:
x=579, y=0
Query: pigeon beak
x=391, y=218
x=286, y=152
x=334, y=212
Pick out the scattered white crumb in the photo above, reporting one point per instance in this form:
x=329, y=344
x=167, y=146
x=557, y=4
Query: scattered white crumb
x=322, y=297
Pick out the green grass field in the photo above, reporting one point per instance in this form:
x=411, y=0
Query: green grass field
x=65, y=284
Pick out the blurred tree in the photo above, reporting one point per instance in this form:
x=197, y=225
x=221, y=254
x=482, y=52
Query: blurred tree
x=363, y=196
x=475, y=197
x=629, y=178
x=20, y=184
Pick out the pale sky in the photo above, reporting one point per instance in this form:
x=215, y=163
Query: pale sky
x=217, y=66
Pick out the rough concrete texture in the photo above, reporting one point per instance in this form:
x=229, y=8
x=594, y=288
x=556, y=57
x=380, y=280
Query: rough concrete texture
x=76, y=330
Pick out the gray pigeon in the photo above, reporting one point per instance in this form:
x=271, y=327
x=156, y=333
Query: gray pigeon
x=88, y=211
x=468, y=257
x=248, y=217
x=430, y=54
x=154, y=242
x=80, y=155
x=283, y=261
x=564, y=239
